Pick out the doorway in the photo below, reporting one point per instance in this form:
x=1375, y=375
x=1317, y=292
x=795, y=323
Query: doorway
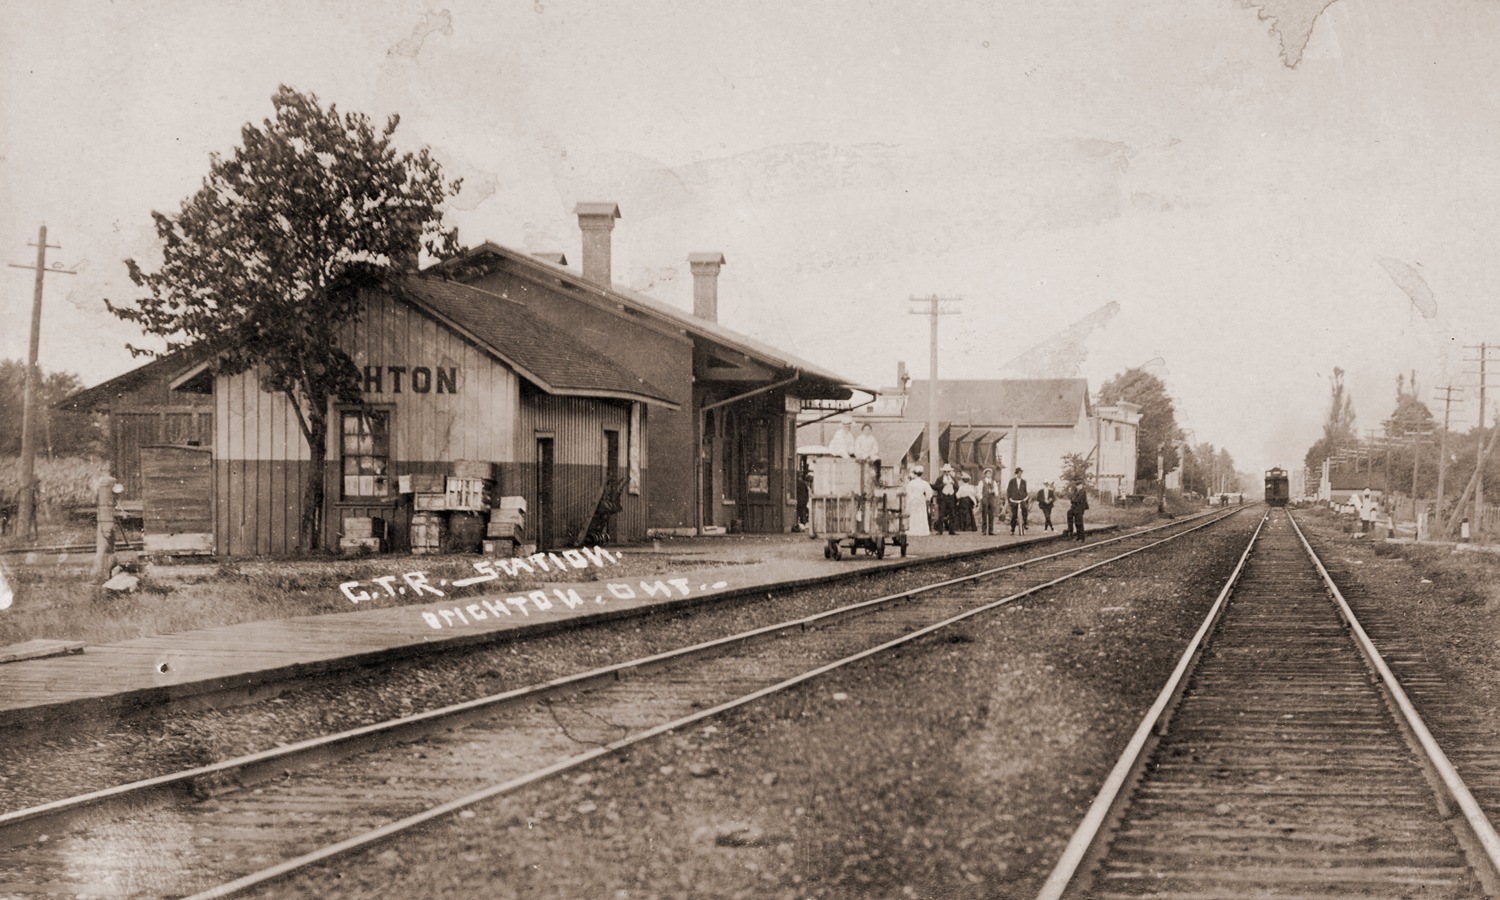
x=544, y=476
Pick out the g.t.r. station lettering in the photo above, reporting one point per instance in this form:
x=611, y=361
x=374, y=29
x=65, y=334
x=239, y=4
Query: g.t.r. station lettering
x=418, y=379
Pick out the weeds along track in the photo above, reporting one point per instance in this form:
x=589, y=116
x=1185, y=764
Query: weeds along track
x=1283, y=760
x=221, y=829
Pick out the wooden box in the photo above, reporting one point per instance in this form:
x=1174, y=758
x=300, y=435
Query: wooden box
x=429, y=484
x=466, y=494
x=505, y=530
x=427, y=532
x=471, y=468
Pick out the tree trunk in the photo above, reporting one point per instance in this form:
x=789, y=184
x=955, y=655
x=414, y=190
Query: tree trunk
x=310, y=535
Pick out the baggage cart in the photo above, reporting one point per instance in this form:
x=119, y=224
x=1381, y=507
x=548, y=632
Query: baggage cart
x=850, y=507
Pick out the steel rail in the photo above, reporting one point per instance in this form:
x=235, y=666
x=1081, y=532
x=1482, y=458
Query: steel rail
x=1485, y=840
x=1134, y=753
x=21, y=826
x=374, y=836
x=1479, y=824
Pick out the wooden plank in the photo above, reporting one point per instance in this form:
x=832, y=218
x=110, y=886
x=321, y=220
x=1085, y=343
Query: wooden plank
x=39, y=649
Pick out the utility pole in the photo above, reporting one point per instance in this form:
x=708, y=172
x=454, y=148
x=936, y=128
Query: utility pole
x=26, y=513
x=1443, y=446
x=1477, y=521
x=932, y=312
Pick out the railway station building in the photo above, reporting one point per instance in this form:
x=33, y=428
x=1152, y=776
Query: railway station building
x=565, y=389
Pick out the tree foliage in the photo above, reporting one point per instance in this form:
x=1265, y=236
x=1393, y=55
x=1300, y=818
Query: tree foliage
x=1077, y=469
x=58, y=432
x=1410, y=413
x=1338, y=427
x=266, y=262
x=1158, y=431
x=1208, y=470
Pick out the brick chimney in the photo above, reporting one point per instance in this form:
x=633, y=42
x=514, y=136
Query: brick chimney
x=597, y=220
x=705, y=268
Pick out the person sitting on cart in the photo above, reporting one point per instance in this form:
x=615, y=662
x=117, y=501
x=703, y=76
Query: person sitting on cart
x=918, y=492
x=1019, y=500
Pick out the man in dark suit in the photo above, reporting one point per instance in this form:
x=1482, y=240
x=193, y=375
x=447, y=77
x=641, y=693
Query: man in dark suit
x=1019, y=499
x=1045, y=498
x=1078, y=501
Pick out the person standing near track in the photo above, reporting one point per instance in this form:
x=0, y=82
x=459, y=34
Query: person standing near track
x=1046, y=498
x=989, y=501
x=1078, y=501
x=1018, y=497
x=946, y=489
x=918, y=491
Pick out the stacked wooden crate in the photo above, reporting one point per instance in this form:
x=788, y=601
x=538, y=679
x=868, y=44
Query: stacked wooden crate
x=361, y=534
x=507, y=527
x=447, y=507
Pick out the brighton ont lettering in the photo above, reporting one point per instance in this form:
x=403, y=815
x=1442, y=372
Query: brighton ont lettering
x=419, y=379
x=541, y=602
x=544, y=562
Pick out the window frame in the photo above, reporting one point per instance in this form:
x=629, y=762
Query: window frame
x=385, y=473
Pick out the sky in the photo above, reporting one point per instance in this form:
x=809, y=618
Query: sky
x=1219, y=190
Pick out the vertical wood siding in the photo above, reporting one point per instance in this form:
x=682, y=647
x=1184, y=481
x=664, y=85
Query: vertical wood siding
x=576, y=426
x=261, y=457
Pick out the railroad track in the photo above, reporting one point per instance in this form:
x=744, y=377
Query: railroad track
x=1283, y=759
x=221, y=829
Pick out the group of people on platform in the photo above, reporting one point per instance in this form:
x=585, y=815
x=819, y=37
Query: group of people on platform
x=953, y=502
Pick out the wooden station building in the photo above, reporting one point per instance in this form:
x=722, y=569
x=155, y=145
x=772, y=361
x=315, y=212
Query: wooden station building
x=564, y=385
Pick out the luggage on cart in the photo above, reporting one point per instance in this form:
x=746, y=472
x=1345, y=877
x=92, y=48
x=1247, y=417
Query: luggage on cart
x=850, y=506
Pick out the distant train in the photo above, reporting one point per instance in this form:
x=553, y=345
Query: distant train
x=1278, y=487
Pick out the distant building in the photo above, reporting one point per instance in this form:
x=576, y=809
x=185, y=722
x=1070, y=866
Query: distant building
x=1003, y=423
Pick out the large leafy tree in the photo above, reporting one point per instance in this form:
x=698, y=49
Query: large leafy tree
x=1338, y=428
x=1158, y=431
x=267, y=261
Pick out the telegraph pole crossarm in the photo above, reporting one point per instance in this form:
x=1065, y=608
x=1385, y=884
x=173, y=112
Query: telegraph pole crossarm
x=26, y=511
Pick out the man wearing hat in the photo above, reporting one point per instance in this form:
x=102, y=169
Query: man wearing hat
x=989, y=500
x=946, y=489
x=1018, y=497
x=1045, y=499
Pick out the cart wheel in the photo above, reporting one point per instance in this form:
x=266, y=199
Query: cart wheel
x=836, y=554
x=828, y=551
x=880, y=548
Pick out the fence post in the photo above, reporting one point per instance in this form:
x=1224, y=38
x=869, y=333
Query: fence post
x=104, y=553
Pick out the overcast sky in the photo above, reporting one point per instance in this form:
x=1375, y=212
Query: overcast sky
x=1118, y=184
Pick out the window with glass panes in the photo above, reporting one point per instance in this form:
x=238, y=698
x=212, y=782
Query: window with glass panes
x=366, y=452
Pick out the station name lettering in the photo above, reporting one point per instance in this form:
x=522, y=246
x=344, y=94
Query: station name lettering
x=418, y=379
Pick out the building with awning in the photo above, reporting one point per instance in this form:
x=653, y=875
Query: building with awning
x=724, y=453
x=1030, y=423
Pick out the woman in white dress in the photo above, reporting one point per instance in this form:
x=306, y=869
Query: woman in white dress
x=918, y=492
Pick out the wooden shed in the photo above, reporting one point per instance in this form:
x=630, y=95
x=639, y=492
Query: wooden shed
x=177, y=490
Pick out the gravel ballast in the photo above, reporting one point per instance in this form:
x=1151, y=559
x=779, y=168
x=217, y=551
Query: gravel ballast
x=955, y=767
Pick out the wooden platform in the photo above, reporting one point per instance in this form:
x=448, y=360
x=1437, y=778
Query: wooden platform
x=241, y=663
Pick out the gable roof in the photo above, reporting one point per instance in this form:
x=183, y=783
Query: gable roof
x=169, y=368
x=540, y=352
x=1030, y=401
x=471, y=264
